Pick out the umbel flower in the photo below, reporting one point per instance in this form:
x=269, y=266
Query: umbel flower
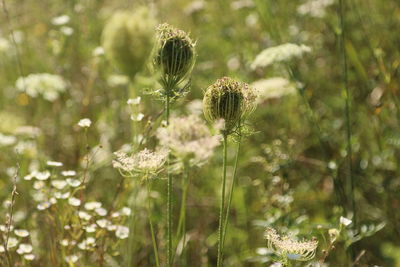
x=128, y=39
x=144, y=162
x=229, y=100
x=290, y=249
x=174, y=56
x=189, y=139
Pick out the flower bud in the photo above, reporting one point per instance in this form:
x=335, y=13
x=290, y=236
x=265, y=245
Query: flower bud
x=175, y=55
x=229, y=100
x=128, y=39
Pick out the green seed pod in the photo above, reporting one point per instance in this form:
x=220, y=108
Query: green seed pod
x=128, y=39
x=174, y=55
x=229, y=100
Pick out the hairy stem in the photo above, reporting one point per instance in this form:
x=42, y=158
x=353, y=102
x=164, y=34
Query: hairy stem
x=222, y=204
x=153, y=237
x=169, y=195
x=231, y=189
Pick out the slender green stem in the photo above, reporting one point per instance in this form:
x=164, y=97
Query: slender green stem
x=181, y=229
x=169, y=195
x=347, y=109
x=153, y=237
x=231, y=189
x=222, y=204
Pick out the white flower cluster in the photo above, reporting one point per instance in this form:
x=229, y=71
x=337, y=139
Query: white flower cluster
x=189, y=139
x=49, y=86
x=314, y=8
x=275, y=87
x=280, y=53
x=145, y=161
x=15, y=242
x=290, y=248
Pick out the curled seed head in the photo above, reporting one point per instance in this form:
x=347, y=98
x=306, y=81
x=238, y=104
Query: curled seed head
x=229, y=100
x=175, y=54
x=128, y=38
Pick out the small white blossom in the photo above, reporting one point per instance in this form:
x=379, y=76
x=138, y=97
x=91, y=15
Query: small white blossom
x=137, y=117
x=42, y=176
x=60, y=20
x=43, y=205
x=126, y=211
x=7, y=140
x=71, y=258
x=134, y=101
x=24, y=248
x=54, y=163
x=280, y=53
x=38, y=185
x=91, y=228
x=59, y=184
x=275, y=87
x=122, y=232
x=101, y=211
x=45, y=84
x=29, y=257
x=60, y=195
x=68, y=173
x=345, y=221
x=73, y=182
x=12, y=242
x=67, y=31
x=21, y=232
x=98, y=51
x=102, y=223
x=92, y=205
x=84, y=215
x=74, y=202
x=85, y=123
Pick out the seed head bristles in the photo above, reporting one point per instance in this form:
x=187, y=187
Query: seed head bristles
x=229, y=100
x=174, y=57
x=144, y=162
x=290, y=248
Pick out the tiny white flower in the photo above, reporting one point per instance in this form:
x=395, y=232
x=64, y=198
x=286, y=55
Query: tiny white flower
x=60, y=20
x=28, y=177
x=111, y=227
x=134, y=101
x=98, y=51
x=74, y=201
x=102, y=223
x=101, y=211
x=24, y=248
x=59, y=184
x=126, y=211
x=73, y=182
x=84, y=215
x=68, y=173
x=12, y=242
x=71, y=258
x=122, y=232
x=29, y=257
x=92, y=205
x=137, y=117
x=43, y=205
x=59, y=195
x=38, y=185
x=115, y=214
x=21, y=232
x=64, y=242
x=2, y=249
x=91, y=228
x=42, y=176
x=345, y=221
x=67, y=31
x=85, y=123
x=54, y=163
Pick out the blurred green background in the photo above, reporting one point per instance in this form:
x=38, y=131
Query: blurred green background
x=293, y=171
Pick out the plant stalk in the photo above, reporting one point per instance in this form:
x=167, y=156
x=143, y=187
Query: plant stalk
x=153, y=237
x=169, y=194
x=222, y=204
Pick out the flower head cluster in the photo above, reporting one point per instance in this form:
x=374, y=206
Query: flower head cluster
x=49, y=86
x=175, y=55
x=314, y=8
x=229, y=100
x=289, y=248
x=145, y=161
x=188, y=139
x=272, y=88
x=128, y=39
x=280, y=53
